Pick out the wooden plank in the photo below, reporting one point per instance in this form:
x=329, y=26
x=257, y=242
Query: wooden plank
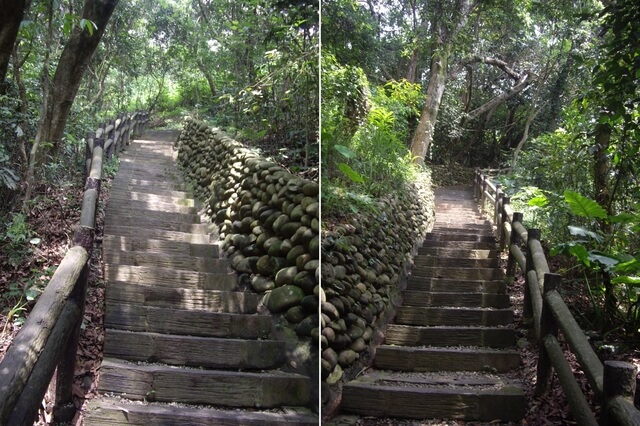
x=449, y=285
x=123, y=215
x=507, y=403
x=167, y=247
x=124, y=205
x=454, y=262
x=200, y=237
x=181, y=298
x=117, y=412
x=411, y=315
x=196, y=386
x=469, y=254
x=157, y=222
x=399, y=358
x=457, y=273
x=484, y=300
x=186, y=322
x=398, y=334
x=194, y=351
x=123, y=194
x=174, y=261
x=460, y=245
x=170, y=278
x=461, y=237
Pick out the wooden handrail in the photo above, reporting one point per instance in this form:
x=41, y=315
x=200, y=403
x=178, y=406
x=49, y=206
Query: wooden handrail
x=549, y=314
x=49, y=337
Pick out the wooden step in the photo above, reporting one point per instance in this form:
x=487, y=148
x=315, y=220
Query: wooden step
x=454, y=262
x=155, y=223
x=460, y=245
x=455, y=285
x=170, y=278
x=167, y=247
x=459, y=253
x=461, y=237
x=194, y=351
x=151, y=185
x=186, y=322
x=457, y=299
x=494, y=337
x=400, y=358
x=427, y=395
x=170, y=191
x=182, y=298
x=202, y=236
x=413, y=315
x=140, y=216
x=123, y=205
x=118, y=412
x=175, y=261
x=456, y=273
x=196, y=386
x=125, y=194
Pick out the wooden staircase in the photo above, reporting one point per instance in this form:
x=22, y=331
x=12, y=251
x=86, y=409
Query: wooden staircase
x=184, y=344
x=450, y=349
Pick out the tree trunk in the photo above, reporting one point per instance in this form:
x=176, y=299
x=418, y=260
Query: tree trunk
x=71, y=68
x=437, y=81
x=445, y=27
x=208, y=76
x=10, y=18
x=413, y=66
x=525, y=136
x=522, y=84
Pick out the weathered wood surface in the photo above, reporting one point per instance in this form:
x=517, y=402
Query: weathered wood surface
x=172, y=198
x=171, y=278
x=199, y=237
x=495, y=337
x=207, y=352
x=182, y=298
x=196, y=386
x=150, y=245
x=453, y=285
x=113, y=412
x=415, y=315
x=457, y=299
x=452, y=319
x=415, y=400
x=175, y=261
x=445, y=359
x=188, y=322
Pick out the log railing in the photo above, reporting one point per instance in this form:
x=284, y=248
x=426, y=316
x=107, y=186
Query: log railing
x=49, y=337
x=614, y=382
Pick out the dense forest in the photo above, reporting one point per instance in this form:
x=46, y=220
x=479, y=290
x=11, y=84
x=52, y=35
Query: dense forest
x=250, y=68
x=543, y=93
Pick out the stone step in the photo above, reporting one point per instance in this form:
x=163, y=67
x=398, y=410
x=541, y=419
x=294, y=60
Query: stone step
x=194, y=351
x=459, y=253
x=470, y=397
x=122, y=206
x=196, y=386
x=166, y=277
x=191, y=321
x=456, y=273
x=175, y=261
x=152, y=199
x=116, y=411
x=165, y=247
x=399, y=358
x=181, y=298
x=483, y=300
x=132, y=231
x=494, y=337
x=454, y=285
x=454, y=262
x=150, y=185
x=171, y=191
x=459, y=229
x=414, y=315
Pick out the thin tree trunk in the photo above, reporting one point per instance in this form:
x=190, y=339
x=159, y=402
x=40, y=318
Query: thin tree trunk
x=22, y=92
x=525, y=136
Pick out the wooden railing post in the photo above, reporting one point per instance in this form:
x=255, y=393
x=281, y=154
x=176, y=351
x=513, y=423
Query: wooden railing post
x=515, y=239
x=504, y=219
x=497, y=207
x=619, y=382
x=527, y=309
x=548, y=326
x=483, y=198
x=477, y=183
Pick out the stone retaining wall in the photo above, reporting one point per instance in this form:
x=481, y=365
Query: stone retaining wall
x=365, y=260
x=268, y=217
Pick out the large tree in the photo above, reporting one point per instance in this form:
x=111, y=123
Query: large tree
x=10, y=19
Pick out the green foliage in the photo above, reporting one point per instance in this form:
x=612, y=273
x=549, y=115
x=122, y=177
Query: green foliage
x=16, y=239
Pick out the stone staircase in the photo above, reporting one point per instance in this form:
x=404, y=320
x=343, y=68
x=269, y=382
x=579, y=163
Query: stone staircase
x=184, y=344
x=450, y=350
